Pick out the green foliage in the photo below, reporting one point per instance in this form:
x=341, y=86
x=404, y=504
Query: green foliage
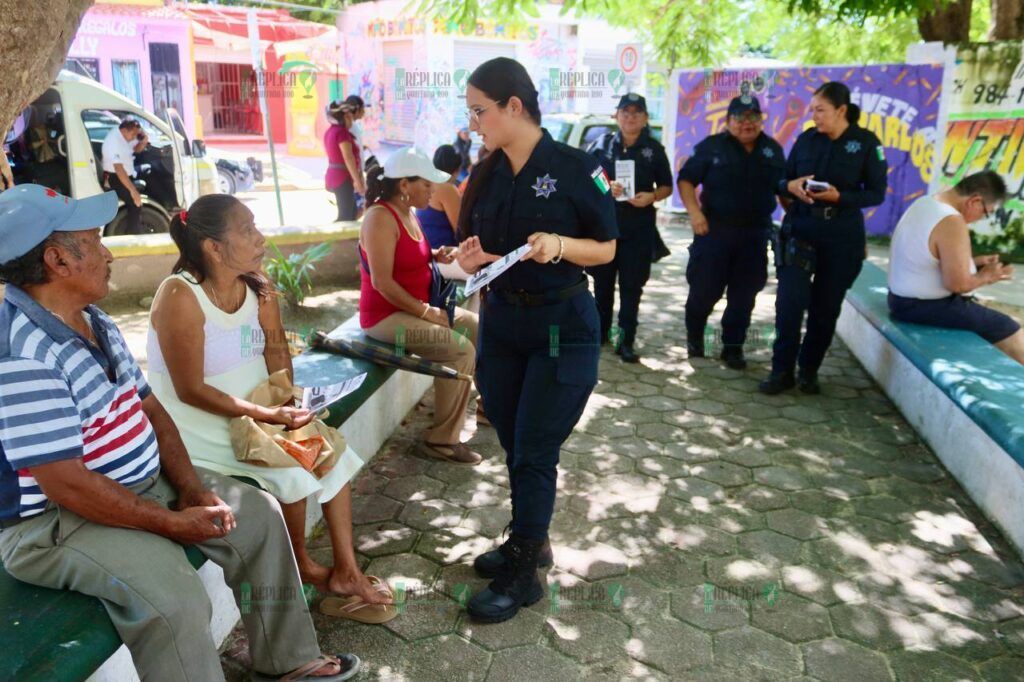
x=291, y=274
x=1009, y=243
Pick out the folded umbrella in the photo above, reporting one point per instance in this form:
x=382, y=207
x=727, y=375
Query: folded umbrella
x=384, y=355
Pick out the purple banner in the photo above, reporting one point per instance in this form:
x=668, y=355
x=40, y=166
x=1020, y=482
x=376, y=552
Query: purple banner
x=899, y=103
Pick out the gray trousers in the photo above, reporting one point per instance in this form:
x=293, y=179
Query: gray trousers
x=154, y=596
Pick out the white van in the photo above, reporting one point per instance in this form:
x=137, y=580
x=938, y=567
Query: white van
x=60, y=147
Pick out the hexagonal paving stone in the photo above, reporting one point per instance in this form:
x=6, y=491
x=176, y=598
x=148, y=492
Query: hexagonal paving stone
x=526, y=628
x=709, y=608
x=660, y=403
x=722, y=473
x=709, y=407
x=374, y=509
x=695, y=489
x=748, y=576
x=489, y=522
x=836, y=660
x=670, y=646
x=783, y=478
x=668, y=568
x=1002, y=668
x=873, y=627
x=443, y=658
x=697, y=539
x=630, y=600
x=961, y=637
x=769, y=547
x=638, y=415
x=747, y=456
x=790, y=617
x=755, y=410
x=991, y=569
x=637, y=389
x=662, y=468
x=750, y=646
x=474, y=494
x=662, y=433
x=595, y=561
x=424, y=613
x=804, y=414
x=532, y=663
x=452, y=545
x=404, y=571
x=431, y=514
x=691, y=453
x=820, y=503
x=883, y=508
x=758, y=497
x=412, y=488
x=930, y=666
x=796, y=523
x=607, y=464
x=587, y=636
x=378, y=539
x=613, y=427
x=821, y=585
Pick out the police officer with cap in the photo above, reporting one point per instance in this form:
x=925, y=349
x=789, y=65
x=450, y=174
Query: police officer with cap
x=635, y=195
x=739, y=170
x=834, y=170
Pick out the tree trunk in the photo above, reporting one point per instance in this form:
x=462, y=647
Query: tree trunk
x=949, y=23
x=34, y=40
x=1007, y=20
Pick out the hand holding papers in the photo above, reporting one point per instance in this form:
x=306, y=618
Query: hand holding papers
x=625, y=175
x=489, y=273
x=316, y=398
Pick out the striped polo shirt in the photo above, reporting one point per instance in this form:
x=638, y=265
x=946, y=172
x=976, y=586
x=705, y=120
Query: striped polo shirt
x=61, y=397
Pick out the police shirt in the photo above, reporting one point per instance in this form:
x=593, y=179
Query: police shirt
x=854, y=164
x=559, y=190
x=738, y=187
x=652, y=169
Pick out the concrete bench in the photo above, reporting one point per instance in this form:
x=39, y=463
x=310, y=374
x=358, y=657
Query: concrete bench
x=959, y=392
x=58, y=635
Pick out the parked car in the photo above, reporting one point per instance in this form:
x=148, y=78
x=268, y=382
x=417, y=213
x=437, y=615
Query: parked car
x=580, y=130
x=61, y=145
x=237, y=176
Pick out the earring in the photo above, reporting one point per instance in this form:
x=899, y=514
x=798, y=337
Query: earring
x=405, y=198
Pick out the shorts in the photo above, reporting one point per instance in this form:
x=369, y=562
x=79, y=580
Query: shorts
x=954, y=312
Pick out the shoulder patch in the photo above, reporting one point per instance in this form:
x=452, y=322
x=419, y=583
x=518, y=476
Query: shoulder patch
x=601, y=180
x=880, y=150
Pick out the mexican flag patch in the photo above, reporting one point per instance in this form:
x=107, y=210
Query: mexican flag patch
x=601, y=180
x=881, y=152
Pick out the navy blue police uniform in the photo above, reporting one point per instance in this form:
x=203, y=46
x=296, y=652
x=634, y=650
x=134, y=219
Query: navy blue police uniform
x=831, y=240
x=637, y=229
x=538, y=341
x=738, y=196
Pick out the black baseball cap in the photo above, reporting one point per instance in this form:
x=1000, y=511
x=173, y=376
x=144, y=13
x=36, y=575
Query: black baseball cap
x=356, y=102
x=631, y=99
x=742, y=104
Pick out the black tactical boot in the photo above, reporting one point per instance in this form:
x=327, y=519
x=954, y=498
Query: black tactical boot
x=491, y=564
x=627, y=353
x=733, y=358
x=808, y=383
x=513, y=588
x=777, y=383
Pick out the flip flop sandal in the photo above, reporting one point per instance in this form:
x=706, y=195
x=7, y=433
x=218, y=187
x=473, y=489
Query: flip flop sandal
x=357, y=609
x=350, y=665
x=458, y=453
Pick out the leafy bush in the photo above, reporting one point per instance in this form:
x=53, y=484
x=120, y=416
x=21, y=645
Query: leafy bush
x=291, y=274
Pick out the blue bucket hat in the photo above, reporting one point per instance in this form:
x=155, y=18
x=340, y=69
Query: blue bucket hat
x=31, y=213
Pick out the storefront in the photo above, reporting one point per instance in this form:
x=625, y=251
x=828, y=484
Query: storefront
x=141, y=50
x=412, y=71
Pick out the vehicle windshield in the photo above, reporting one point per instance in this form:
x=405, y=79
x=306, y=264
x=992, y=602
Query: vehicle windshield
x=559, y=129
x=99, y=122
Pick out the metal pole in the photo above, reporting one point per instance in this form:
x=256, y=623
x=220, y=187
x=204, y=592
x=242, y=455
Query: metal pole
x=257, y=65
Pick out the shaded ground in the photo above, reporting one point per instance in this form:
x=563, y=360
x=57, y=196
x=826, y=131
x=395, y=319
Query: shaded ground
x=703, y=531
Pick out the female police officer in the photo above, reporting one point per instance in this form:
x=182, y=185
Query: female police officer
x=652, y=181
x=537, y=344
x=823, y=240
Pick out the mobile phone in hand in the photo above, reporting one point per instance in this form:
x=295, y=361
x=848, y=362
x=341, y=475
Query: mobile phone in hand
x=816, y=186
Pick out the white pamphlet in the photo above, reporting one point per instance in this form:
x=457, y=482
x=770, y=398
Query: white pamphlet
x=316, y=398
x=625, y=175
x=487, y=274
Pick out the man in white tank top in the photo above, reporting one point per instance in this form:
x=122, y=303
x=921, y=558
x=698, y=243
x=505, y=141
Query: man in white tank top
x=931, y=268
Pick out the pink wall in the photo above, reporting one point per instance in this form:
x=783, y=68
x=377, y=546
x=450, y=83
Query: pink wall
x=122, y=35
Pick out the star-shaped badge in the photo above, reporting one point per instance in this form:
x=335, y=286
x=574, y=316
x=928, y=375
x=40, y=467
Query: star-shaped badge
x=647, y=153
x=768, y=152
x=852, y=147
x=544, y=186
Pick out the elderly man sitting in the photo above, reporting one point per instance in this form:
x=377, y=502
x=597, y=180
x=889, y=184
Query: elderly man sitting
x=931, y=268
x=97, y=493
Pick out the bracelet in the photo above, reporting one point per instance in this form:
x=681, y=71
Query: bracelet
x=561, y=250
x=426, y=309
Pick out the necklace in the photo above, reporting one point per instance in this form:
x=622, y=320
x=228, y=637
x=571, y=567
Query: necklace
x=216, y=301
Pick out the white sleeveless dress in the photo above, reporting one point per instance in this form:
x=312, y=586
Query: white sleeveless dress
x=233, y=363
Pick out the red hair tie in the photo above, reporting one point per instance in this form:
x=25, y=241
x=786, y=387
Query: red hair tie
x=183, y=215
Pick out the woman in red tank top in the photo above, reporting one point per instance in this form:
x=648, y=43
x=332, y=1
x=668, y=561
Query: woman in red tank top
x=394, y=293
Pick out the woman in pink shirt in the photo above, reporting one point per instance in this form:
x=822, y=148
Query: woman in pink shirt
x=344, y=169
